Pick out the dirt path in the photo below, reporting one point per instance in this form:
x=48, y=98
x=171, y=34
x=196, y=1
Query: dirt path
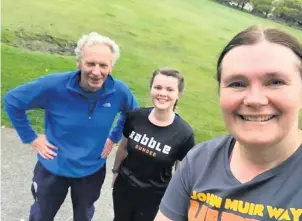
x=17, y=163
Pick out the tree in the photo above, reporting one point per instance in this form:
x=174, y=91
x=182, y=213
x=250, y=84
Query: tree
x=263, y=6
x=241, y=3
x=289, y=10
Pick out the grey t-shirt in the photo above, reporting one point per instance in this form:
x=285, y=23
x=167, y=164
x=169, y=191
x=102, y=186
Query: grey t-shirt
x=204, y=188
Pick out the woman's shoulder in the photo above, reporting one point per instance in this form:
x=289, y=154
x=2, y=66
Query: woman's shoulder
x=210, y=148
x=138, y=113
x=184, y=127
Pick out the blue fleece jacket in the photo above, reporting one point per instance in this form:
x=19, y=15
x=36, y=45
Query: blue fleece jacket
x=77, y=122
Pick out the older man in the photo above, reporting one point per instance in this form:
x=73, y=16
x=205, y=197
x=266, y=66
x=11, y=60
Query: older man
x=80, y=107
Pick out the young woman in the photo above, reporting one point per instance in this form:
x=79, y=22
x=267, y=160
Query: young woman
x=154, y=140
x=255, y=172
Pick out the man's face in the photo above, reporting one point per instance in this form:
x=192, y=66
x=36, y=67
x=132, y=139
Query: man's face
x=95, y=64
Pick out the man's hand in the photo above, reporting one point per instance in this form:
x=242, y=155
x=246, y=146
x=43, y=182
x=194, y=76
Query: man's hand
x=43, y=147
x=107, y=148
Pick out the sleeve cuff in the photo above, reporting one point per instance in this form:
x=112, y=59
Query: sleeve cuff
x=169, y=214
x=29, y=139
x=113, y=139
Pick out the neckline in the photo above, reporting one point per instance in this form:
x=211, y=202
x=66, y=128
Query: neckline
x=158, y=126
x=262, y=176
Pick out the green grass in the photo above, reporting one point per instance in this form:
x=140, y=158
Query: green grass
x=21, y=66
x=183, y=34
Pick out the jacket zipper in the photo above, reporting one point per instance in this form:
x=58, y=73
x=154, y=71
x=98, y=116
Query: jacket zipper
x=91, y=109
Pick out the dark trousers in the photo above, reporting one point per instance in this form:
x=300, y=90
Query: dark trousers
x=133, y=204
x=49, y=192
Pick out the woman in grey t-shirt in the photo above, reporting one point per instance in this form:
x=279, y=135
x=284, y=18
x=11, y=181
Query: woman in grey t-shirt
x=255, y=173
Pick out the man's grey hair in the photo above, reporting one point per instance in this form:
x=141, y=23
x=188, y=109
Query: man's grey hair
x=95, y=38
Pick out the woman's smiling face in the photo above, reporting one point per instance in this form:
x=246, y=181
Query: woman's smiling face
x=260, y=92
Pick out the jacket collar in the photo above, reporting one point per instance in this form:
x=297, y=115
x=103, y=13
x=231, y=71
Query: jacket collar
x=107, y=88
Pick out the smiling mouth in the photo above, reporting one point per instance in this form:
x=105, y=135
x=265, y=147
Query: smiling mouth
x=257, y=118
x=95, y=80
x=162, y=100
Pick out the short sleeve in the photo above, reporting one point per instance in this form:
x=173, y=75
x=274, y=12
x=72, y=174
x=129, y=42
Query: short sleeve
x=128, y=125
x=175, y=202
x=187, y=145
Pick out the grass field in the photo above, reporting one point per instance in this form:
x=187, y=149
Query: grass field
x=183, y=34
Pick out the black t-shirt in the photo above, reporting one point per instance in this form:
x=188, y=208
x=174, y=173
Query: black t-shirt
x=153, y=150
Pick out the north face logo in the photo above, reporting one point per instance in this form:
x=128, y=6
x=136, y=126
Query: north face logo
x=107, y=105
x=149, y=142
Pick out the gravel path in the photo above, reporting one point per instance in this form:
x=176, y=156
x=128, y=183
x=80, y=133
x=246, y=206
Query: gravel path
x=17, y=163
